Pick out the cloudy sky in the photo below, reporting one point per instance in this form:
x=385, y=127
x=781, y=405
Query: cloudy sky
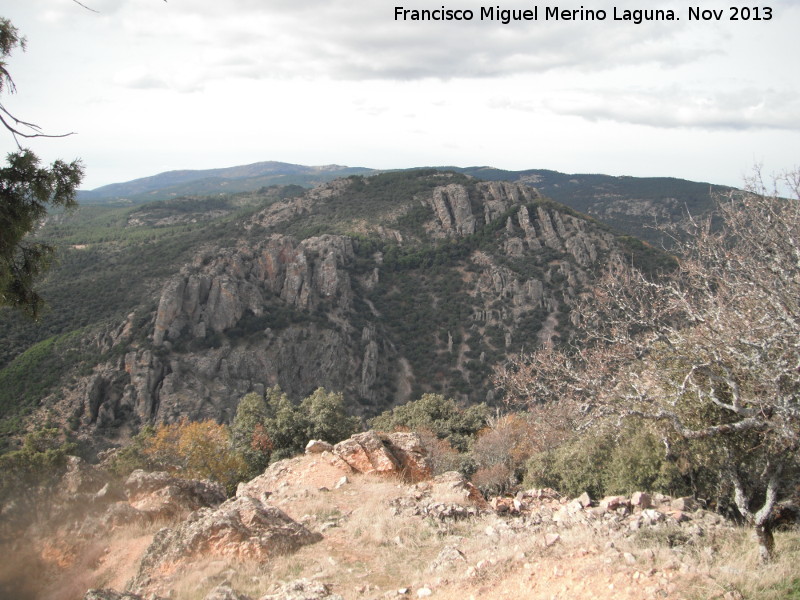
x=150, y=86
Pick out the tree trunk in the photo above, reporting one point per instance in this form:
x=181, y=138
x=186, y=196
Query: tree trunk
x=766, y=542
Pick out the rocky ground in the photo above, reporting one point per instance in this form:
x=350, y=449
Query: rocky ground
x=365, y=520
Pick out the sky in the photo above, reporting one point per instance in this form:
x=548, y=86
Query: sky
x=151, y=86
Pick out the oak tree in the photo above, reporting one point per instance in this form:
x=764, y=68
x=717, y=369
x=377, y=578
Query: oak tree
x=710, y=351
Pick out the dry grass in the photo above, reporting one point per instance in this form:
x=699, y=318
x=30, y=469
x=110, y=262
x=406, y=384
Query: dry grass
x=733, y=567
x=370, y=549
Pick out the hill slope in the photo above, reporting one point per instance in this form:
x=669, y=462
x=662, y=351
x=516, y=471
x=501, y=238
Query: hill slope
x=243, y=178
x=383, y=288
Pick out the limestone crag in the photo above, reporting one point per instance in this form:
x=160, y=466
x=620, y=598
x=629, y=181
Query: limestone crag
x=385, y=454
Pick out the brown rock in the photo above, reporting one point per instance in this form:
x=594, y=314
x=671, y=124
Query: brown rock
x=160, y=494
x=241, y=528
x=611, y=503
x=366, y=453
x=409, y=452
x=687, y=503
x=454, y=487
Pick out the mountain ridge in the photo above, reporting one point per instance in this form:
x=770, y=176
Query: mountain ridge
x=249, y=178
x=631, y=205
x=381, y=287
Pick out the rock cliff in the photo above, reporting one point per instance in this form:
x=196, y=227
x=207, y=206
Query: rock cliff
x=417, y=284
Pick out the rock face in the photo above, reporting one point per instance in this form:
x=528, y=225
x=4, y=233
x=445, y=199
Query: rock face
x=407, y=448
x=362, y=314
x=242, y=528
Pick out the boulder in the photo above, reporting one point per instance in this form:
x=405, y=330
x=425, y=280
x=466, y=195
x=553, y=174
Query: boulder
x=447, y=558
x=399, y=453
x=409, y=452
x=612, y=503
x=242, y=529
x=318, y=447
x=160, y=494
x=687, y=503
x=366, y=453
x=551, y=539
x=454, y=487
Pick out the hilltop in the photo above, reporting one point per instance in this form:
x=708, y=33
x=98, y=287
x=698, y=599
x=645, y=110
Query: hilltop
x=329, y=526
x=631, y=205
x=381, y=287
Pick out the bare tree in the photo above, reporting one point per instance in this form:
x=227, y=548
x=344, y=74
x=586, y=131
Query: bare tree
x=711, y=351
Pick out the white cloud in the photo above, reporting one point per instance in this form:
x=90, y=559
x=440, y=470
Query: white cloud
x=204, y=83
x=672, y=107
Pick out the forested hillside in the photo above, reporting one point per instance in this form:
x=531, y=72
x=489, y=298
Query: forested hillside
x=382, y=287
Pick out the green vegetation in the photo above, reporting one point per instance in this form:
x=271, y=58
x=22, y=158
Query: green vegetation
x=614, y=461
x=32, y=469
x=107, y=268
x=27, y=191
x=37, y=372
x=442, y=416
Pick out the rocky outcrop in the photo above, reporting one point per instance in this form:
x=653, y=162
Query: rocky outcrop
x=410, y=454
x=366, y=453
x=385, y=454
x=330, y=310
x=242, y=528
x=159, y=495
x=447, y=497
x=452, y=206
x=216, y=291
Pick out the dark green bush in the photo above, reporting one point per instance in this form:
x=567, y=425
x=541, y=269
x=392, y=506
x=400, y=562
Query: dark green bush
x=610, y=461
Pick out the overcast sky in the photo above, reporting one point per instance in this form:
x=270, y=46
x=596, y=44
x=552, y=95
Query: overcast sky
x=151, y=86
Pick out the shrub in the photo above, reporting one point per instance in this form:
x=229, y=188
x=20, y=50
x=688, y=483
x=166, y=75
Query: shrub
x=326, y=417
x=37, y=464
x=199, y=449
x=250, y=436
x=609, y=461
x=442, y=416
x=501, y=450
x=273, y=428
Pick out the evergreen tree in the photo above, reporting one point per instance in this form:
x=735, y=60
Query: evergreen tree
x=26, y=191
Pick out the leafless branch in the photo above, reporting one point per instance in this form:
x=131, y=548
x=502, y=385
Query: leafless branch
x=86, y=7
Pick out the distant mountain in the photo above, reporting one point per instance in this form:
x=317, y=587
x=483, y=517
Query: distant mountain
x=207, y=182
x=631, y=205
